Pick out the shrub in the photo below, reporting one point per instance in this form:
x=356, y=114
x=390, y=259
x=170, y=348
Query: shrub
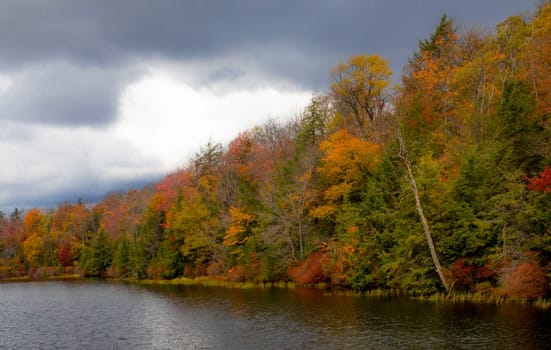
x=236, y=273
x=462, y=275
x=310, y=271
x=526, y=280
x=45, y=272
x=216, y=268
x=111, y=272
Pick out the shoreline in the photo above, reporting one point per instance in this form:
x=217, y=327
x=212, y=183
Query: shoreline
x=453, y=297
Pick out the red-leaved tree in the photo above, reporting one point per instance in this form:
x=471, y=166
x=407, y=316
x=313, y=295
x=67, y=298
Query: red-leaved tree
x=542, y=182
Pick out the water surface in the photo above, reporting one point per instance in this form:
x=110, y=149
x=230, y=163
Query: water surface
x=104, y=315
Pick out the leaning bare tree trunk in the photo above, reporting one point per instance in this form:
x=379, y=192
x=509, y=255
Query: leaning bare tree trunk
x=428, y=235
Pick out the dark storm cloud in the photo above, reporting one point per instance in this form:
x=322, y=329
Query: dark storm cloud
x=87, y=190
x=62, y=94
x=299, y=40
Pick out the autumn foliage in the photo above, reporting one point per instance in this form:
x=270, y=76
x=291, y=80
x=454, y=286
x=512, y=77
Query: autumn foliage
x=333, y=195
x=310, y=271
x=527, y=280
x=65, y=256
x=542, y=182
x=462, y=275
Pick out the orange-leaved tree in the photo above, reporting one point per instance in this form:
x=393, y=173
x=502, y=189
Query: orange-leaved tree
x=239, y=230
x=345, y=164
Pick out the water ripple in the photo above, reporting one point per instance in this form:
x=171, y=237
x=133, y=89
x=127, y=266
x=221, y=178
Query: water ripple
x=101, y=315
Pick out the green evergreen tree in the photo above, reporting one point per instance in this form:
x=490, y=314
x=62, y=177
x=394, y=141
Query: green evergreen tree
x=121, y=259
x=97, y=256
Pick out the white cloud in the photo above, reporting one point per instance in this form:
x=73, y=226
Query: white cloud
x=43, y=163
x=5, y=83
x=170, y=119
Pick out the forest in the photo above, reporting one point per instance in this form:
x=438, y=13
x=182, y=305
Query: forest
x=441, y=183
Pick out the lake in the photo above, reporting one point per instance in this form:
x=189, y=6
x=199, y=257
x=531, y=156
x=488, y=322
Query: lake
x=107, y=315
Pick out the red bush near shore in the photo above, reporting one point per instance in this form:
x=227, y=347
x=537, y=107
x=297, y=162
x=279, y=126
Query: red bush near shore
x=527, y=280
x=310, y=271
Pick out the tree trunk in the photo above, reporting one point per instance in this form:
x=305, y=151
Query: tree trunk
x=428, y=235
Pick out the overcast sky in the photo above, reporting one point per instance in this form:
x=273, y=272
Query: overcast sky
x=104, y=95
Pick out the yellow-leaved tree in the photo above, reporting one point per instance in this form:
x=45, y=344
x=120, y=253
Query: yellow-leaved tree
x=34, y=245
x=359, y=87
x=239, y=230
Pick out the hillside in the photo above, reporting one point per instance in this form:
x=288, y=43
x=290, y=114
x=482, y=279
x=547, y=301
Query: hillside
x=442, y=183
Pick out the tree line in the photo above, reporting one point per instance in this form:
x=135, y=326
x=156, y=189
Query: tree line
x=441, y=183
